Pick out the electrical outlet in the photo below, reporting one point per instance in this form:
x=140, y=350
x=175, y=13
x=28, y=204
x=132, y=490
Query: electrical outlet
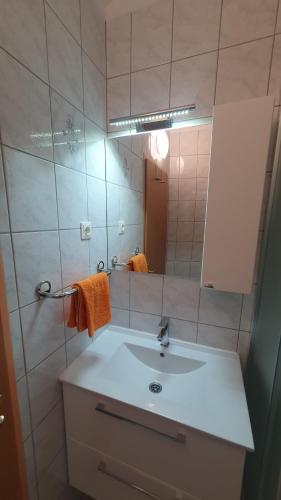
x=86, y=230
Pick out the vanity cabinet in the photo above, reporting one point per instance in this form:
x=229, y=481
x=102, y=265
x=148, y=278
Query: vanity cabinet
x=116, y=451
x=239, y=155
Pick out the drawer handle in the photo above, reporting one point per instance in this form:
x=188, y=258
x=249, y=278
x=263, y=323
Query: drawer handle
x=179, y=438
x=102, y=468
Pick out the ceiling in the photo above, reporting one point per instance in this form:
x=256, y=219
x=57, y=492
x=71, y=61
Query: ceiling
x=116, y=8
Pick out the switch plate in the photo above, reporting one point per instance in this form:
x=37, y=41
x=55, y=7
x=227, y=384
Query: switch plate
x=121, y=227
x=86, y=230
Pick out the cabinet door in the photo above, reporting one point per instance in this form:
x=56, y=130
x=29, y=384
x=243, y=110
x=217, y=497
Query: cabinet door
x=239, y=155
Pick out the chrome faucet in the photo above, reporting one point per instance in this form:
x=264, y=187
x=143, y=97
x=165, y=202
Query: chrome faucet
x=163, y=335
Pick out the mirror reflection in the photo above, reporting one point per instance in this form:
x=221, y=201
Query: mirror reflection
x=156, y=200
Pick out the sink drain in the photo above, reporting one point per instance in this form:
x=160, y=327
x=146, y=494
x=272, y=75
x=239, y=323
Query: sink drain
x=155, y=387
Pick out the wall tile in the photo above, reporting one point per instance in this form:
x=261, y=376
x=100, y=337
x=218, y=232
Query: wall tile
x=188, y=141
x=151, y=35
x=148, y=323
x=15, y=331
x=174, y=143
x=93, y=32
x=120, y=317
x=24, y=407
x=220, y=308
x=4, y=216
x=44, y=386
x=118, y=96
x=24, y=100
x=275, y=75
x=68, y=134
x=204, y=139
x=183, y=330
x=96, y=201
x=180, y=298
x=95, y=150
x=53, y=482
x=118, y=32
x=28, y=200
x=49, y=439
x=187, y=167
x=69, y=13
x=247, y=312
x=64, y=61
x=98, y=248
x=9, y=271
x=30, y=468
x=37, y=258
x=120, y=289
x=76, y=346
x=244, y=347
x=196, y=27
x=22, y=33
x=150, y=89
x=94, y=93
x=278, y=23
x=146, y=293
x=243, y=71
x=74, y=256
x=42, y=329
x=213, y=336
x=72, y=197
x=203, y=166
x=245, y=20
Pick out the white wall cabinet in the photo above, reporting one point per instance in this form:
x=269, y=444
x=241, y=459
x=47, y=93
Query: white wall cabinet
x=239, y=155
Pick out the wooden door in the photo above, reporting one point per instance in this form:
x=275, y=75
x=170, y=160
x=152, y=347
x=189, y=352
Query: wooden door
x=12, y=471
x=155, y=226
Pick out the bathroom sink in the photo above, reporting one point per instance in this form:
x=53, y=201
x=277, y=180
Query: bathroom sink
x=163, y=361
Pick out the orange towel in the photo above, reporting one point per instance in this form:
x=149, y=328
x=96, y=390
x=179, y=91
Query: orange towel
x=90, y=305
x=138, y=264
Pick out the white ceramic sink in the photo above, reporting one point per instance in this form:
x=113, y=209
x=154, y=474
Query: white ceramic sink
x=201, y=387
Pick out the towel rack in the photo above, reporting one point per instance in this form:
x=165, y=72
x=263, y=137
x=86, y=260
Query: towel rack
x=43, y=289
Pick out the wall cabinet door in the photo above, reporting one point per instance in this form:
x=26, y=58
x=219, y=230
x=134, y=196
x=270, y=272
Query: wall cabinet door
x=239, y=155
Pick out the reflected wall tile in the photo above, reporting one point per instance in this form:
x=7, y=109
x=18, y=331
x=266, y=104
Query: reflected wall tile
x=220, y=308
x=64, y=61
x=37, y=257
x=174, y=167
x=98, y=248
x=113, y=204
x=172, y=231
x=94, y=93
x=148, y=323
x=69, y=13
x=200, y=210
x=30, y=468
x=22, y=33
x=275, y=75
x=180, y=298
x=203, y=166
x=24, y=100
x=42, y=329
x=150, y=89
x=201, y=189
x=187, y=189
x=185, y=231
x=278, y=23
x=146, y=293
x=187, y=166
x=195, y=271
x=72, y=197
x=9, y=271
x=44, y=386
x=171, y=250
x=118, y=97
x=120, y=289
x=118, y=31
x=193, y=81
x=188, y=141
x=137, y=174
x=4, y=216
x=49, y=439
x=76, y=346
x=74, y=256
x=204, y=139
x=245, y=20
x=95, y=150
x=196, y=27
x=186, y=211
x=183, y=251
x=199, y=231
x=68, y=134
x=173, y=189
x=183, y=330
x=182, y=269
x=222, y=338
x=28, y=200
x=151, y=35
x=120, y=317
x=96, y=202
x=197, y=251
x=243, y=71
x=16, y=335
x=93, y=32
x=24, y=407
x=174, y=137
x=172, y=211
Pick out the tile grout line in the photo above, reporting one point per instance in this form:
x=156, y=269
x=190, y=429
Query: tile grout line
x=218, y=54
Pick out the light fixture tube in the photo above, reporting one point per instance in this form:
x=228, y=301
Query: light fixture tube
x=152, y=117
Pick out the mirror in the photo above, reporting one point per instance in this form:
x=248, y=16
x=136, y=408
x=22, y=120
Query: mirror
x=156, y=198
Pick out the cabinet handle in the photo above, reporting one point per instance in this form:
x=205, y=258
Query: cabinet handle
x=179, y=438
x=102, y=468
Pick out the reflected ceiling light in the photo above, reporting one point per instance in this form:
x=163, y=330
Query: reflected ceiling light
x=151, y=121
x=159, y=144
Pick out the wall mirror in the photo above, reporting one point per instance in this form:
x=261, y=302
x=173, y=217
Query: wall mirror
x=156, y=199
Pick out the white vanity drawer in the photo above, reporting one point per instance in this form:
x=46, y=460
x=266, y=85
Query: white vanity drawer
x=103, y=478
x=206, y=467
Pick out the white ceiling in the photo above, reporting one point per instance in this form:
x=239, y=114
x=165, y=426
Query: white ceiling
x=116, y=8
